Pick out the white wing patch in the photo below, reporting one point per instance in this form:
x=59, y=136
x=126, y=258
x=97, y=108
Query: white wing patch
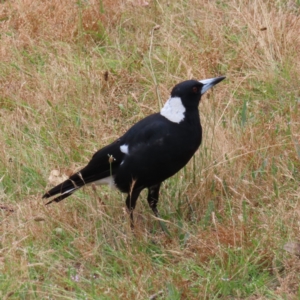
x=124, y=149
x=173, y=110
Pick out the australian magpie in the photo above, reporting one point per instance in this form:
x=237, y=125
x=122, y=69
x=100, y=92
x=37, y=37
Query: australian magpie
x=151, y=151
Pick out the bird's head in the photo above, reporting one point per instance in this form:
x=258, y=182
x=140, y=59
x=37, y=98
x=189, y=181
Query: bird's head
x=186, y=96
x=190, y=91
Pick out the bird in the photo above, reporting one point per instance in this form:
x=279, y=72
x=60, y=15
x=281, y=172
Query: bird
x=151, y=151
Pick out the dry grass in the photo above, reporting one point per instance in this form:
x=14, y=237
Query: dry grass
x=73, y=75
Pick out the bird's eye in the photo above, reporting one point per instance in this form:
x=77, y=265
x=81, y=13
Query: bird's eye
x=195, y=89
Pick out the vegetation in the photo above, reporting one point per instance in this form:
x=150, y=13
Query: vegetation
x=75, y=75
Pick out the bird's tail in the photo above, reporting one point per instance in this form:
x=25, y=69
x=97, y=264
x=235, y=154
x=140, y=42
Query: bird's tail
x=66, y=188
x=85, y=176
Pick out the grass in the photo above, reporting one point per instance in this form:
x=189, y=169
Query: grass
x=73, y=75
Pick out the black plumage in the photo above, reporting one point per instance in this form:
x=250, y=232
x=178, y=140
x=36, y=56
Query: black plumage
x=151, y=151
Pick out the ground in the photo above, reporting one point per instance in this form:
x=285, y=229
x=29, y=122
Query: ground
x=76, y=75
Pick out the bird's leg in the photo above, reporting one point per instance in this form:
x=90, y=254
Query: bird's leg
x=153, y=195
x=131, y=202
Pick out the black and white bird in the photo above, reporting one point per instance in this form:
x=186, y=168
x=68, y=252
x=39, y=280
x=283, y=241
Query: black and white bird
x=151, y=151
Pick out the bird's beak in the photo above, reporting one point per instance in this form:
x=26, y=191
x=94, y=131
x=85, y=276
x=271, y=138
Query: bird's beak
x=208, y=83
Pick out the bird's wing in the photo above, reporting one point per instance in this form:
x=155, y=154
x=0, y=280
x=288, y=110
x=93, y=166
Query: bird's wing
x=158, y=149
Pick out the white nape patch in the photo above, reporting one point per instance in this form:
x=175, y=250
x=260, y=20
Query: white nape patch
x=124, y=149
x=110, y=180
x=173, y=110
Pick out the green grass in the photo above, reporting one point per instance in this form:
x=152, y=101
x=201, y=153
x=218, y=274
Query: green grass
x=75, y=76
